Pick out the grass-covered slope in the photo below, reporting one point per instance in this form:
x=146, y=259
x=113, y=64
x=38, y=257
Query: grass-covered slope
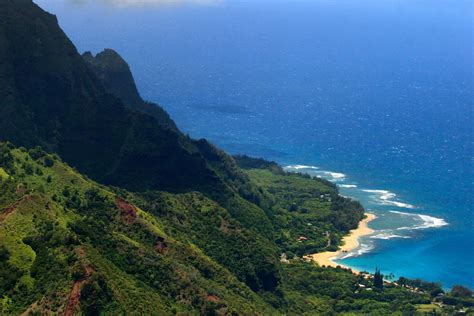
x=49, y=96
x=71, y=246
x=68, y=243
x=184, y=230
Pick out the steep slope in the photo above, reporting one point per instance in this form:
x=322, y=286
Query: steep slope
x=68, y=245
x=116, y=77
x=71, y=246
x=208, y=245
x=49, y=97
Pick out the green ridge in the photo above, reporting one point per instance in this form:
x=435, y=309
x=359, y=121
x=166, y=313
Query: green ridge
x=140, y=219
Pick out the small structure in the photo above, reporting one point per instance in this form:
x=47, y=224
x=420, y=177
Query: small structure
x=302, y=238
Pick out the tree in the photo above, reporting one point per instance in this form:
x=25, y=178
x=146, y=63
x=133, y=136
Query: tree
x=378, y=279
x=48, y=162
x=461, y=291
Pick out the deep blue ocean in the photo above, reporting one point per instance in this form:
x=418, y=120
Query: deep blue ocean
x=376, y=95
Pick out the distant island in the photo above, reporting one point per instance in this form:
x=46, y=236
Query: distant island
x=107, y=208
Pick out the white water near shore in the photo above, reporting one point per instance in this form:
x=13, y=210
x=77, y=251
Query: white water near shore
x=386, y=223
x=350, y=243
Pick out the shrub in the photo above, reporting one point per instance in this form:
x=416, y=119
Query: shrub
x=37, y=153
x=461, y=291
x=48, y=162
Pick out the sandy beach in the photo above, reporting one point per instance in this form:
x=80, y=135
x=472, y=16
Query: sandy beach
x=350, y=242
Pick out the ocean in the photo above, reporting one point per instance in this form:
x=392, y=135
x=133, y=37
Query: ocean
x=376, y=96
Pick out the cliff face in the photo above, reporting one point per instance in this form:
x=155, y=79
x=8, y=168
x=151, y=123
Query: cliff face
x=87, y=110
x=50, y=97
x=42, y=78
x=116, y=77
x=183, y=230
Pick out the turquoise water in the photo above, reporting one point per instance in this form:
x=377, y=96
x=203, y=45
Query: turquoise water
x=403, y=233
x=380, y=92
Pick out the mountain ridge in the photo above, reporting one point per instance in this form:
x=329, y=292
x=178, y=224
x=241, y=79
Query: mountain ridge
x=91, y=129
x=121, y=213
x=116, y=76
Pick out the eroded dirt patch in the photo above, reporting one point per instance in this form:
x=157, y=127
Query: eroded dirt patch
x=129, y=211
x=74, y=300
x=161, y=246
x=12, y=208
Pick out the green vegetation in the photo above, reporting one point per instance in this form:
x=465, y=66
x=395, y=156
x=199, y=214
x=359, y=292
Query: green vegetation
x=69, y=244
x=309, y=215
x=3, y=175
x=149, y=221
x=378, y=279
x=72, y=231
x=428, y=309
x=338, y=291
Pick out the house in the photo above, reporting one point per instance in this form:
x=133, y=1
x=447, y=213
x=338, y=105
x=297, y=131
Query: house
x=302, y=238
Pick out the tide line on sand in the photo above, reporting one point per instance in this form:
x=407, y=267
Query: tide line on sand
x=350, y=242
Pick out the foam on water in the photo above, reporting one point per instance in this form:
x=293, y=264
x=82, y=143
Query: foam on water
x=385, y=235
x=400, y=204
x=314, y=171
x=336, y=175
x=426, y=221
x=331, y=176
x=299, y=167
x=386, y=197
x=430, y=221
x=381, y=200
x=417, y=115
x=359, y=251
x=384, y=194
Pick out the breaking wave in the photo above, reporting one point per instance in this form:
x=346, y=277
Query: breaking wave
x=385, y=197
x=299, y=167
x=385, y=235
x=362, y=249
x=426, y=221
x=348, y=186
x=316, y=172
x=411, y=222
x=332, y=176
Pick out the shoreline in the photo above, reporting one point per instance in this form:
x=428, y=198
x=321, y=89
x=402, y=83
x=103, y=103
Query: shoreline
x=350, y=242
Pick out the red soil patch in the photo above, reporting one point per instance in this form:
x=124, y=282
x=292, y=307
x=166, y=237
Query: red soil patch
x=12, y=208
x=129, y=212
x=161, y=246
x=212, y=298
x=75, y=294
x=74, y=298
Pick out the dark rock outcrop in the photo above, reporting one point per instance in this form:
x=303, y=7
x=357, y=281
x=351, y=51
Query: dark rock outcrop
x=116, y=77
